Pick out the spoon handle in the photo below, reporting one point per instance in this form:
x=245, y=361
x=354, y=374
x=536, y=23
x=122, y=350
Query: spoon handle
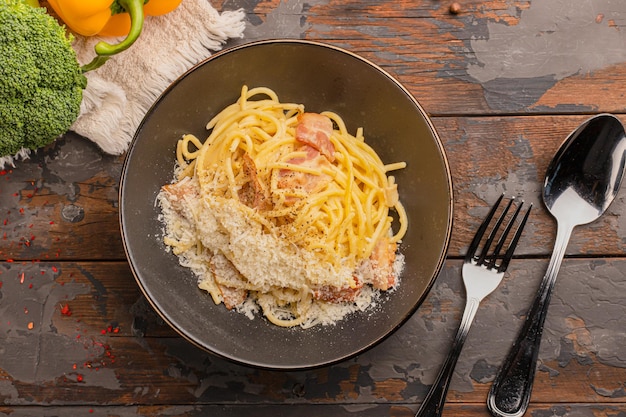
x=510, y=393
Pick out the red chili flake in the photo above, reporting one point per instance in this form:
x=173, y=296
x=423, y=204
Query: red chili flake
x=32, y=237
x=21, y=210
x=25, y=310
x=30, y=285
x=3, y=172
x=0, y=284
x=22, y=278
x=30, y=226
x=65, y=310
x=91, y=410
x=116, y=330
x=15, y=194
x=103, y=331
x=10, y=260
x=54, y=269
x=31, y=325
x=51, y=222
x=79, y=378
x=5, y=222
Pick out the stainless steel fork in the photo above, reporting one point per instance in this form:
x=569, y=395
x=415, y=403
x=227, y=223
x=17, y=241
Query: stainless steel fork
x=482, y=272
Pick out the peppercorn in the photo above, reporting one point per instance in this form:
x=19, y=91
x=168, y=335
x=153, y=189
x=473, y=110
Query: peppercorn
x=455, y=8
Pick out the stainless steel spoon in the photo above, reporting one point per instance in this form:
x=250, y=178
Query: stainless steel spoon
x=581, y=182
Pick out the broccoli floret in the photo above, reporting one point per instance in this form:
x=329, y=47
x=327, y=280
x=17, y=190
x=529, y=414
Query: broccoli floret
x=41, y=82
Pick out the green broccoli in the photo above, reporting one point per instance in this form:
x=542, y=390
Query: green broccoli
x=41, y=81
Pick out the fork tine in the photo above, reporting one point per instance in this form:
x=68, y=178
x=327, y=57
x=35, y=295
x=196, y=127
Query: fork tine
x=496, y=252
x=509, y=252
x=471, y=250
x=492, y=235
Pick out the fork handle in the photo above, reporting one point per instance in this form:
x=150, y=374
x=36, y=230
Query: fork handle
x=432, y=406
x=510, y=392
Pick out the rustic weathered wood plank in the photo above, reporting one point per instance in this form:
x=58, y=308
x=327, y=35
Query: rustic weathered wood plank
x=109, y=348
x=493, y=155
x=297, y=410
x=64, y=213
x=499, y=57
x=61, y=204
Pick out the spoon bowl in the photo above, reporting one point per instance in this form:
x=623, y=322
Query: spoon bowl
x=581, y=182
x=586, y=172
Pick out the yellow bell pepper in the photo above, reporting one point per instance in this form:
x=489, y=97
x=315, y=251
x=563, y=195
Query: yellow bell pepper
x=120, y=23
x=109, y=18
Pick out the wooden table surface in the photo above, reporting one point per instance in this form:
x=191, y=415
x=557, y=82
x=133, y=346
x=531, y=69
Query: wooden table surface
x=504, y=81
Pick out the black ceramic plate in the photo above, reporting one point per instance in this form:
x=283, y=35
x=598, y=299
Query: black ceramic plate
x=322, y=77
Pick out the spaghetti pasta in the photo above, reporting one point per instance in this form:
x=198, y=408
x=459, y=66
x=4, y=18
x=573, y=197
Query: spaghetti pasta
x=284, y=210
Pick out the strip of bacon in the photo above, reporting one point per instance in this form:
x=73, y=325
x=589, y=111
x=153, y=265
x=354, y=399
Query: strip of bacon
x=338, y=295
x=232, y=296
x=382, y=258
x=303, y=181
x=314, y=129
x=252, y=193
x=177, y=193
x=225, y=273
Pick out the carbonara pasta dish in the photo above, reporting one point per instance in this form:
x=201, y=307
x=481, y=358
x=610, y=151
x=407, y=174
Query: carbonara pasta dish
x=283, y=212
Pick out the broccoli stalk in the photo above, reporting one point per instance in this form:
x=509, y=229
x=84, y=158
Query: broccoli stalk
x=41, y=81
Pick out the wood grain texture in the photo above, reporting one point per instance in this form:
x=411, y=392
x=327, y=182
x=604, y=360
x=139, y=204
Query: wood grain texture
x=296, y=410
x=439, y=55
x=75, y=215
x=94, y=339
x=505, y=81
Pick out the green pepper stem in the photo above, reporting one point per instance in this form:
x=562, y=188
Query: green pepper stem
x=95, y=63
x=135, y=9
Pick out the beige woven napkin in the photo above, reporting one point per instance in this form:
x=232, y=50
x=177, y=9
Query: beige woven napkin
x=119, y=93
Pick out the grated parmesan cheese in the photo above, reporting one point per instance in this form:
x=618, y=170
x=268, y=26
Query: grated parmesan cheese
x=263, y=260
